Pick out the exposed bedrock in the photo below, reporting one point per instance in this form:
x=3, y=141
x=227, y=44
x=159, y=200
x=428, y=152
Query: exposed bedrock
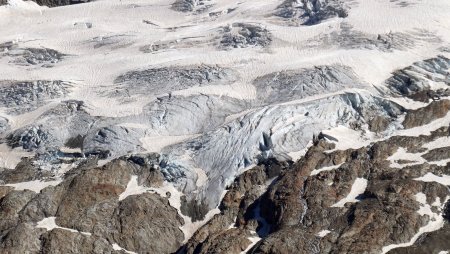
x=91, y=213
x=425, y=115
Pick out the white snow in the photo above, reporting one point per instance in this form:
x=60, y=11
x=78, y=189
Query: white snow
x=9, y=158
x=329, y=168
x=323, y=233
x=402, y=154
x=50, y=224
x=254, y=240
x=438, y=143
x=358, y=188
x=347, y=138
x=430, y=177
x=436, y=221
x=117, y=247
x=36, y=185
x=133, y=188
x=157, y=143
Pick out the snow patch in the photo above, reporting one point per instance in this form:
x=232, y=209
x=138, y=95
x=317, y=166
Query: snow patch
x=358, y=188
x=133, y=188
x=254, y=240
x=117, y=247
x=329, y=168
x=36, y=185
x=438, y=143
x=347, y=138
x=323, y=233
x=50, y=224
x=402, y=154
x=430, y=177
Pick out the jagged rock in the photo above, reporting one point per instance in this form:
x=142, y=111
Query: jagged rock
x=10, y=205
x=311, y=12
x=23, y=238
x=23, y=96
x=426, y=115
x=56, y=3
x=90, y=200
x=30, y=139
x=379, y=124
x=242, y=35
x=236, y=209
x=413, y=81
x=35, y=56
x=230, y=241
x=191, y=5
x=140, y=220
x=62, y=241
x=168, y=79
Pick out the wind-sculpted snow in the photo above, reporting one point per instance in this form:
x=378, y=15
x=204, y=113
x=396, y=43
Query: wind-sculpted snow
x=311, y=12
x=23, y=96
x=421, y=77
x=159, y=81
